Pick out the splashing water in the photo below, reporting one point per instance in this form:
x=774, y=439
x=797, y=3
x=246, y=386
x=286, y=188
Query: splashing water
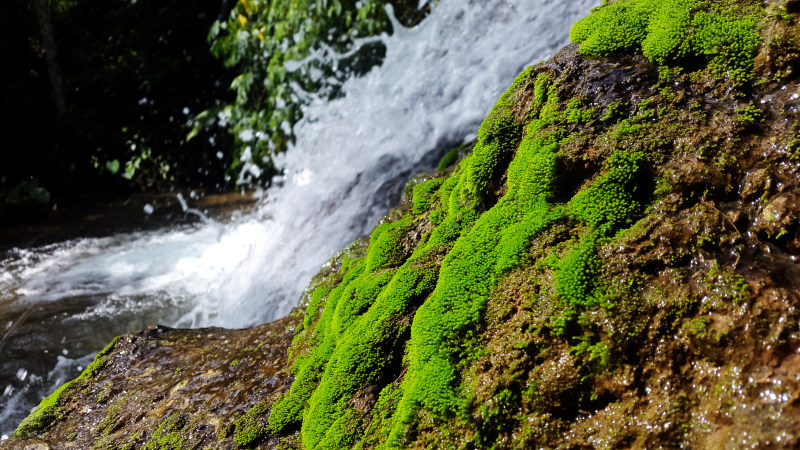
x=351, y=159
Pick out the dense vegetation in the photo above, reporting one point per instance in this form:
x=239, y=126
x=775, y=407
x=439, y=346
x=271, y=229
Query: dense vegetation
x=130, y=93
x=98, y=97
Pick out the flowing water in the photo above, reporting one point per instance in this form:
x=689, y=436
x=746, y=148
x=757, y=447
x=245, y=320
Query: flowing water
x=62, y=302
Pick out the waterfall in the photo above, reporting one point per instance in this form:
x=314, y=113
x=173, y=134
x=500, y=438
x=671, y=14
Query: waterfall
x=351, y=159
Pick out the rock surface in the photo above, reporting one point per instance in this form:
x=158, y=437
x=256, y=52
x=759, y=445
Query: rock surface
x=168, y=388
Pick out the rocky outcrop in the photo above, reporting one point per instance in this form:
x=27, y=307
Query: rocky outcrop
x=166, y=388
x=614, y=263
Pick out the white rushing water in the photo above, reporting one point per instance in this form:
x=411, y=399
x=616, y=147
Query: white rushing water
x=352, y=156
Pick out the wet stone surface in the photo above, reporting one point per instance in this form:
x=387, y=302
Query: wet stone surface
x=165, y=386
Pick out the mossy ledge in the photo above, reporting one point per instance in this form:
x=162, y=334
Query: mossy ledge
x=613, y=264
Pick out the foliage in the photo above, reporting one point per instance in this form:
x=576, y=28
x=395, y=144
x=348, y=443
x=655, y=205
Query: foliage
x=131, y=73
x=285, y=51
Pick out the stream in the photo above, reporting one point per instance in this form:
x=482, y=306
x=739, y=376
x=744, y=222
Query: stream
x=62, y=302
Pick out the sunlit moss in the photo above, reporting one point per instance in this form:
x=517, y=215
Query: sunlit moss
x=723, y=34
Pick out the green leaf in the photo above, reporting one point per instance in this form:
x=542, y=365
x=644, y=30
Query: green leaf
x=113, y=166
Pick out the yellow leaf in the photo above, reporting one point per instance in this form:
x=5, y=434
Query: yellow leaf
x=242, y=20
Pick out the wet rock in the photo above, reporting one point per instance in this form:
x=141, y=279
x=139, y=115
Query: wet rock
x=780, y=214
x=174, y=388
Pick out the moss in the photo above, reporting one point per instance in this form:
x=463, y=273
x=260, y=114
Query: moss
x=249, y=429
x=613, y=28
x=614, y=112
x=749, y=114
x=598, y=354
x=668, y=31
x=44, y=416
x=726, y=284
x=171, y=434
x=449, y=159
x=385, y=245
x=109, y=423
x=610, y=201
x=50, y=409
x=424, y=193
x=576, y=273
x=381, y=413
x=577, y=112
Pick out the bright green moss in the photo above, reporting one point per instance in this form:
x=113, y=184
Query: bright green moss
x=497, y=138
x=449, y=159
x=444, y=325
x=384, y=245
x=424, y=193
x=438, y=215
x=287, y=410
x=614, y=28
x=749, y=114
x=486, y=214
x=382, y=413
x=729, y=43
x=609, y=201
x=44, y=416
x=576, y=112
x=576, y=274
x=365, y=350
x=606, y=205
x=315, y=304
x=670, y=31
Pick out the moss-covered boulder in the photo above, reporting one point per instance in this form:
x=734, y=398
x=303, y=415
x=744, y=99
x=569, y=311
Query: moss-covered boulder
x=613, y=263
